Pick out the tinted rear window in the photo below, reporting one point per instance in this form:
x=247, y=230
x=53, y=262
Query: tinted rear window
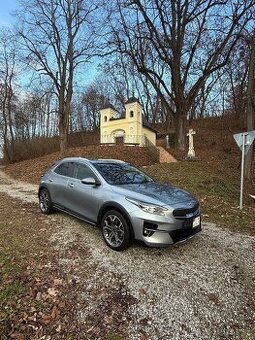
x=65, y=169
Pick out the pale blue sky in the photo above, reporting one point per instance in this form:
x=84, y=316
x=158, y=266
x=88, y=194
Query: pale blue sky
x=6, y=7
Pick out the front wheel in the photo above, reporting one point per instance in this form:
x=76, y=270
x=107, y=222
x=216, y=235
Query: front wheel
x=45, y=202
x=115, y=230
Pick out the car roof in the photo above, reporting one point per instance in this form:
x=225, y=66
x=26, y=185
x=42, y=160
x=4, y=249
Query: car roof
x=106, y=160
x=99, y=160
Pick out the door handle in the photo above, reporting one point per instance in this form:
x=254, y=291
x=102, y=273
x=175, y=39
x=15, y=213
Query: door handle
x=71, y=185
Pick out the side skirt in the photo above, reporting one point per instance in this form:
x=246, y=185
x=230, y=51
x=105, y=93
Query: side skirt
x=72, y=213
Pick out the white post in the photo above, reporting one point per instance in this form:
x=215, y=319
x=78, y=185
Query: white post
x=242, y=169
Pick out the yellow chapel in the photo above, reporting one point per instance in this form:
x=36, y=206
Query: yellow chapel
x=129, y=129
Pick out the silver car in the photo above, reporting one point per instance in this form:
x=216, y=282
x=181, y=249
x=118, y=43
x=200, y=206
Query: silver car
x=125, y=202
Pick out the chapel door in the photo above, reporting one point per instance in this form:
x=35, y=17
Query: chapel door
x=119, y=139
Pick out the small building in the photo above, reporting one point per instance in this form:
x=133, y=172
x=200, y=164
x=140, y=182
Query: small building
x=131, y=128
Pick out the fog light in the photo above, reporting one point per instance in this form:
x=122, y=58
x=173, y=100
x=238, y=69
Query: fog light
x=147, y=232
x=149, y=229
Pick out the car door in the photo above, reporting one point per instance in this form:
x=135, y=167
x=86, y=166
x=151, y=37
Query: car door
x=58, y=183
x=83, y=198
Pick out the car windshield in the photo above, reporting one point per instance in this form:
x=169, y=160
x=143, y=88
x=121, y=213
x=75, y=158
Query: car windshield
x=121, y=173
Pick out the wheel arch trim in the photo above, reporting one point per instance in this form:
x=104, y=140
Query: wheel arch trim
x=115, y=206
x=43, y=186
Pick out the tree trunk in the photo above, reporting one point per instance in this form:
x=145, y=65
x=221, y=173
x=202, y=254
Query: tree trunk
x=181, y=123
x=181, y=130
x=250, y=109
x=8, y=134
x=63, y=125
x=62, y=137
x=7, y=155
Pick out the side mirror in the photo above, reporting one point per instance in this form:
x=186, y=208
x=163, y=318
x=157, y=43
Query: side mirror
x=90, y=181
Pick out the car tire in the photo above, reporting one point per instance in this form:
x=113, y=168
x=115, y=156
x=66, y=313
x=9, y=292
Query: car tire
x=45, y=202
x=115, y=230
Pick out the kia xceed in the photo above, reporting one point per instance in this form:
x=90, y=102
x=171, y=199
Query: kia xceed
x=124, y=201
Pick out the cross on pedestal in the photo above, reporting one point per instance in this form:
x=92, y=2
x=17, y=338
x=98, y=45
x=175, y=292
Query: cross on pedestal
x=191, y=152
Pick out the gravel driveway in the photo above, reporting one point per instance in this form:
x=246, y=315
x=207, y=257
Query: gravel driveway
x=202, y=289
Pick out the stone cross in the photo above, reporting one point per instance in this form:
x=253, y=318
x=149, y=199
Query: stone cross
x=167, y=142
x=191, y=152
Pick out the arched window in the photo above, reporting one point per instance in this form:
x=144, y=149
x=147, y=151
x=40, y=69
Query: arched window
x=131, y=114
x=105, y=119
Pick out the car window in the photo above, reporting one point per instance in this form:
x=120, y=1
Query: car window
x=122, y=173
x=81, y=171
x=65, y=169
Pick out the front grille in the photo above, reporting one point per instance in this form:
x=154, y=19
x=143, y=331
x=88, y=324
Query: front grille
x=182, y=234
x=187, y=224
x=182, y=213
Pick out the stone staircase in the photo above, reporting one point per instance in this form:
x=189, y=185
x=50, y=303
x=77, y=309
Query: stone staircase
x=164, y=156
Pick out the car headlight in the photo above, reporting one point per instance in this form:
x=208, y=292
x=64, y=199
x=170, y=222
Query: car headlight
x=148, y=207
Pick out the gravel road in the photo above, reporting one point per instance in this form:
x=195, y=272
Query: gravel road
x=202, y=289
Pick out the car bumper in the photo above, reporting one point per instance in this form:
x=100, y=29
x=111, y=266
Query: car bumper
x=164, y=239
x=162, y=232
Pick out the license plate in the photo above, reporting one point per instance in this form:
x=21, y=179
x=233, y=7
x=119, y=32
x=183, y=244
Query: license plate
x=196, y=222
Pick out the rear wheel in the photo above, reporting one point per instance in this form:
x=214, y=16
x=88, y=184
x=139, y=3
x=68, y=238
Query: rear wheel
x=45, y=202
x=115, y=230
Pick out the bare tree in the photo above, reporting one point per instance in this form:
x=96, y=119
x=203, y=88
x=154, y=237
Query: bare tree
x=250, y=108
x=125, y=82
x=88, y=106
x=177, y=45
x=58, y=36
x=7, y=98
x=236, y=77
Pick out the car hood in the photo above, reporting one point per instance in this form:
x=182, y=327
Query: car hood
x=167, y=194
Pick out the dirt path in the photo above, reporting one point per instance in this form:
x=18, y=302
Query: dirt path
x=203, y=289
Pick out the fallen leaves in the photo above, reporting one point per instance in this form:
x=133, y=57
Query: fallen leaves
x=33, y=295
x=53, y=294
x=47, y=318
x=142, y=291
x=17, y=336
